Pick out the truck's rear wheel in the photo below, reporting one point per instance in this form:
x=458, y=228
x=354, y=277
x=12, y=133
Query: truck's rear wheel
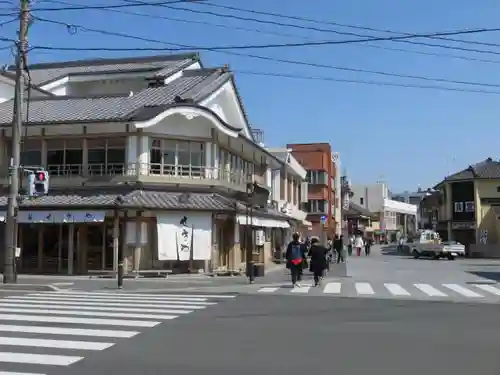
x=415, y=254
x=450, y=256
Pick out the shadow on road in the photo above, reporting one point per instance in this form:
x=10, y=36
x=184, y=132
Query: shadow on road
x=495, y=276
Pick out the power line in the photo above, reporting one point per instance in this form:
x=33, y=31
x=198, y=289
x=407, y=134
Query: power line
x=279, y=45
x=363, y=82
x=224, y=26
x=73, y=29
x=97, y=7
x=275, y=23
x=321, y=22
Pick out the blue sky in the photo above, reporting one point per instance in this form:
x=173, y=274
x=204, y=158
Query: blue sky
x=405, y=136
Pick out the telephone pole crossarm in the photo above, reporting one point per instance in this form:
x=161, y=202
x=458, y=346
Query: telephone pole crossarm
x=9, y=271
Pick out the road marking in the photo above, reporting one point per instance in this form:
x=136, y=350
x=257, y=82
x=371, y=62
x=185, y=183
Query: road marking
x=268, y=290
x=118, y=297
x=107, y=302
x=364, y=289
x=430, y=291
x=159, y=295
x=489, y=288
x=62, y=319
x=88, y=313
x=332, y=288
x=39, y=359
x=96, y=308
x=463, y=291
x=301, y=289
x=68, y=331
x=397, y=290
x=59, y=344
x=17, y=373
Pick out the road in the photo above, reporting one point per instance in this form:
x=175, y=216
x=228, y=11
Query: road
x=282, y=335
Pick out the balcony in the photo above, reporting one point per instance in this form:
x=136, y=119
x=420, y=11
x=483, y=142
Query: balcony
x=73, y=175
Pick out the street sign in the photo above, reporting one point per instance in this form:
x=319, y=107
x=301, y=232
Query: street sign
x=323, y=220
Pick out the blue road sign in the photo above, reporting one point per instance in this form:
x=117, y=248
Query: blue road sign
x=323, y=219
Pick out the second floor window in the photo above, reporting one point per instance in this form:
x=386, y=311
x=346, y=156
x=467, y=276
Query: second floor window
x=176, y=157
x=470, y=207
x=458, y=207
x=65, y=157
x=317, y=205
x=361, y=201
x=106, y=156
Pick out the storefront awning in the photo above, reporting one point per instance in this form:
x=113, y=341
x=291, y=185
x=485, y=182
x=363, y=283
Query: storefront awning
x=262, y=222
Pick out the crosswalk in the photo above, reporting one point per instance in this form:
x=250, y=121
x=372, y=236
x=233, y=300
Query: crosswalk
x=45, y=329
x=472, y=291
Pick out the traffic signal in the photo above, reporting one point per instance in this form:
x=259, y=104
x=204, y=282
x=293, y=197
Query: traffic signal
x=38, y=183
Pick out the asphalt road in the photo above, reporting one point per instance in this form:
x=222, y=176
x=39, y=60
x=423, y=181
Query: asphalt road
x=283, y=335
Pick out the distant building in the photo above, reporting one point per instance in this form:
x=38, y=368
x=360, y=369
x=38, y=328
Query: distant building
x=415, y=198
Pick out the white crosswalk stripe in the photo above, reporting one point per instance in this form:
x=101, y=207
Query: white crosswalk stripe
x=58, y=323
x=391, y=290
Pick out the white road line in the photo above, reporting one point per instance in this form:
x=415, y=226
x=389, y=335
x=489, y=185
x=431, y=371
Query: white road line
x=167, y=295
x=430, y=291
x=96, y=308
x=463, y=291
x=88, y=313
x=332, y=288
x=268, y=290
x=103, y=301
x=301, y=289
x=39, y=359
x=396, y=290
x=87, y=302
x=62, y=319
x=364, y=289
x=118, y=297
x=68, y=331
x=488, y=288
x=59, y=344
x=17, y=373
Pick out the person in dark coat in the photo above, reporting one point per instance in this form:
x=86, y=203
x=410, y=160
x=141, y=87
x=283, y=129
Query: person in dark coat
x=295, y=259
x=318, y=254
x=338, y=245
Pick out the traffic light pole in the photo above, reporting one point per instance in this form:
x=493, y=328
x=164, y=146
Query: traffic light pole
x=9, y=273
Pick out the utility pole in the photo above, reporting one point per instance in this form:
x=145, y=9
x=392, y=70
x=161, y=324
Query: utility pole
x=9, y=274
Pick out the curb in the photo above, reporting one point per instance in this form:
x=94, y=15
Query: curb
x=30, y=287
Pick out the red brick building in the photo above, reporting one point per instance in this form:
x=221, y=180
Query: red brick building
x=316, y=158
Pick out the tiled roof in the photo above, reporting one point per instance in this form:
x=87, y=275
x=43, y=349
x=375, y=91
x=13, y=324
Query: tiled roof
x=143, y=199
x=487, y=169
x=194, y=84
x=42, y=74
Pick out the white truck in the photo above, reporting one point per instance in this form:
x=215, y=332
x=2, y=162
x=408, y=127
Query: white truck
x=429, y=244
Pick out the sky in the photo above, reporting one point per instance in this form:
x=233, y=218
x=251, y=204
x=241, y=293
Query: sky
x=406, y=137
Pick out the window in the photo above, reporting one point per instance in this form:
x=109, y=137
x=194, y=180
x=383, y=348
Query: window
x=361, y=201
x=316, y=205
x=498, y=189
x=317, y=177
x=106, y=157
x=178, y=158
x=64, y=157
x=458, y=207
x=470, y=206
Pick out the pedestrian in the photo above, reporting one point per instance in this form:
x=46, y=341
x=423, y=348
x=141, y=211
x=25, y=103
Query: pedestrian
x=350, y=244
x=368, y=245
x=338, y=245
x=358, y=244
x=318, y=260
x=295, y=259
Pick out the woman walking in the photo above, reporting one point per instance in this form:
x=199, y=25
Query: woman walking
x=318, y=262
x=358, y=244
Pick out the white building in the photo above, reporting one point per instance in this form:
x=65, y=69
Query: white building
x=140, y=151
x=394, y=215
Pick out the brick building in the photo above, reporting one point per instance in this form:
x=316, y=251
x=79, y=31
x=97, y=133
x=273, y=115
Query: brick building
x=318, y=160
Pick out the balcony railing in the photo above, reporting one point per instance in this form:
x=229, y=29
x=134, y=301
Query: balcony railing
x=150, y=169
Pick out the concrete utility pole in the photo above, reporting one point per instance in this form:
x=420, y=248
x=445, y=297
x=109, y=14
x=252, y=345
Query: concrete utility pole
x=9, y=274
